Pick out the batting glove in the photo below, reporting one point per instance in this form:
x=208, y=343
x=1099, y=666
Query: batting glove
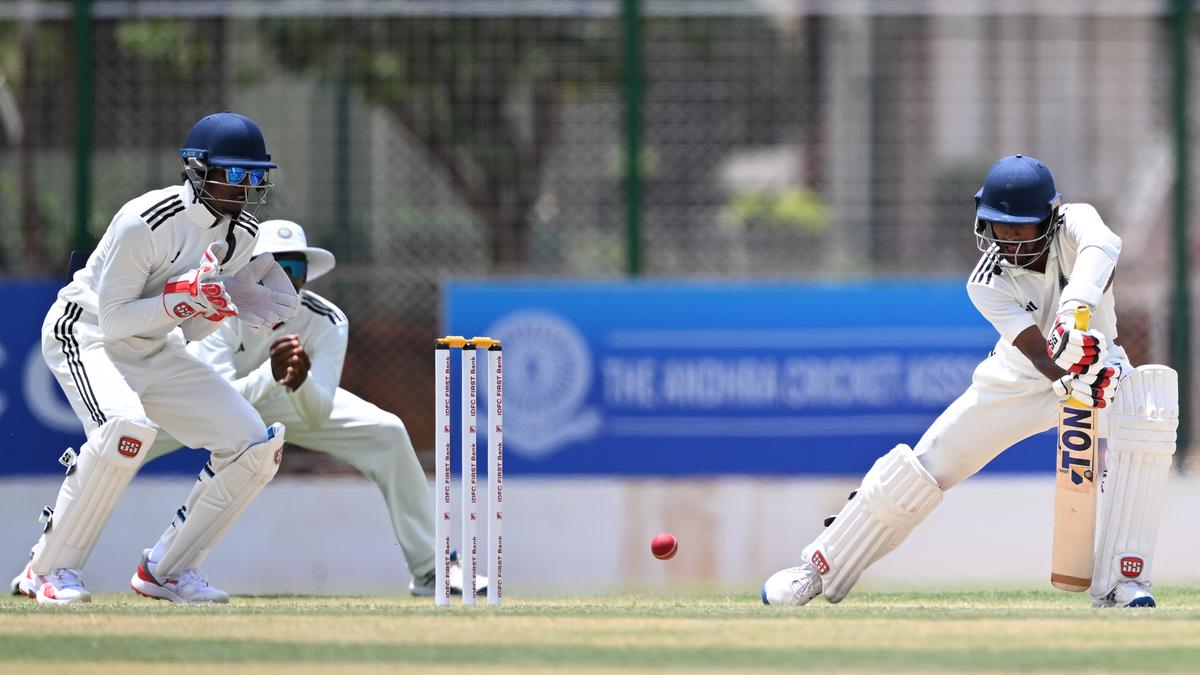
x=197, y=291
x=1075, y=350
x=1096, y=389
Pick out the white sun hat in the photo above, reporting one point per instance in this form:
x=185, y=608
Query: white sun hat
x=284, y=236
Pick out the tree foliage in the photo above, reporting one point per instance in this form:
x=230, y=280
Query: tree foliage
x=482, y=96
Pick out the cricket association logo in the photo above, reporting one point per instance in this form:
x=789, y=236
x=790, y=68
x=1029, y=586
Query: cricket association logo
x=548, y=373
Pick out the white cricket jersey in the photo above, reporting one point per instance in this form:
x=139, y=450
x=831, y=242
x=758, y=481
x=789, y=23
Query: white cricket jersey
x=153, y=238
x=1013, y=298
x=242, y=356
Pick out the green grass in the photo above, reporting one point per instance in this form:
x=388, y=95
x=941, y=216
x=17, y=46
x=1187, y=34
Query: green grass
x=1012, y=631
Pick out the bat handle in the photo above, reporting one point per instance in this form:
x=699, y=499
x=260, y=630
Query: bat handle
x=1083, y=316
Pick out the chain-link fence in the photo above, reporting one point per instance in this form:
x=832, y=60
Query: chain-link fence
x=420, y=140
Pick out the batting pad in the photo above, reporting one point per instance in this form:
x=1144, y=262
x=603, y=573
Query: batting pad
x=96, y=479
x=221, y=493
x=1141, y=441
x=896, y=495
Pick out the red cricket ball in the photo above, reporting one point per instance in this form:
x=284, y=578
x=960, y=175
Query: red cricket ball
x=664, y=546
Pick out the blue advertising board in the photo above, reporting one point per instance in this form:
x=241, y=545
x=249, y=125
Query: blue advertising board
x=35, y=418
x=695, y=378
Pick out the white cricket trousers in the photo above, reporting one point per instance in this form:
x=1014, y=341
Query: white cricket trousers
x=147, y=382
x=1000, y=408
x=155, y=383
x=376, y=443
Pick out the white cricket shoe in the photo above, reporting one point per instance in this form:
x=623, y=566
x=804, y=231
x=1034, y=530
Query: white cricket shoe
x=1126, y=594
x=191, y=587
x=426, y=586
x=794, y=586
x=61, y=587
x=22, y=584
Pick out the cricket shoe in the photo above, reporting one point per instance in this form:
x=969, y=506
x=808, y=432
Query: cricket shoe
x=22, y=584
x=191, y=587
x=1126, y=594
x=794, y=586
x=61, y=587
x=426, y=586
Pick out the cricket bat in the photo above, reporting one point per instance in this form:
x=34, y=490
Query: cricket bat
x=1075, y=490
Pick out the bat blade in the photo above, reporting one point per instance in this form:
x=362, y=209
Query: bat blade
x=1073, y=553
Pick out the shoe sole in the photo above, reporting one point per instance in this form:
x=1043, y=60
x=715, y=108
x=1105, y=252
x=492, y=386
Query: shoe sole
x=148, y=590
x=18, y=587
x=43, y=600
x=792, y=598
x=428, y=592
x=18, y=590
x=143, y=584
x=151, y=592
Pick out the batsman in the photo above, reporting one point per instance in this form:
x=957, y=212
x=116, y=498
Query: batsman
x=1041, y=261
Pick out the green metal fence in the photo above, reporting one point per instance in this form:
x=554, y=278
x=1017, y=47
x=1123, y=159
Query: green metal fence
x=423, y=139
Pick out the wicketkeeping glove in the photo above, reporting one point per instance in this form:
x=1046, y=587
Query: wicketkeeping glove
x=1095, y=389
x=263, y=293
x=197, y=291
x=1075, y=350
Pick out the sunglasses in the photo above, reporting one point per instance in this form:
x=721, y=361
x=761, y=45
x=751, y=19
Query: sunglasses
x=296, y=269
x=236, y=174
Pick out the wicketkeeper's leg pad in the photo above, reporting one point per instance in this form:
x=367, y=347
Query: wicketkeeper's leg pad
x=1141, y=441
x=96, y=478
x=896, y=495
x=221, y=493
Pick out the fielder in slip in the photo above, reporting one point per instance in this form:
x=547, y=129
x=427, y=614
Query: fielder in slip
x=1041, y=260
x=290, y=374
x=179, y=257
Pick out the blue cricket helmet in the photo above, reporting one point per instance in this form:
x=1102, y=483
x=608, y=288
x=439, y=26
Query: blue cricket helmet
x=1018, y=190
x=227, y=139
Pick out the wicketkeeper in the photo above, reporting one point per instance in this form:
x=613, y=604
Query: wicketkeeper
x=290, y=373
x=1041, y=259
x=179, y=257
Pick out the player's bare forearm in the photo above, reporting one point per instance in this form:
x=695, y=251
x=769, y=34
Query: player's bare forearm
x=1033, y=345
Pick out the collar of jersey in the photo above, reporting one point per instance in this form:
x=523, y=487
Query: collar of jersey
x=197, y=211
